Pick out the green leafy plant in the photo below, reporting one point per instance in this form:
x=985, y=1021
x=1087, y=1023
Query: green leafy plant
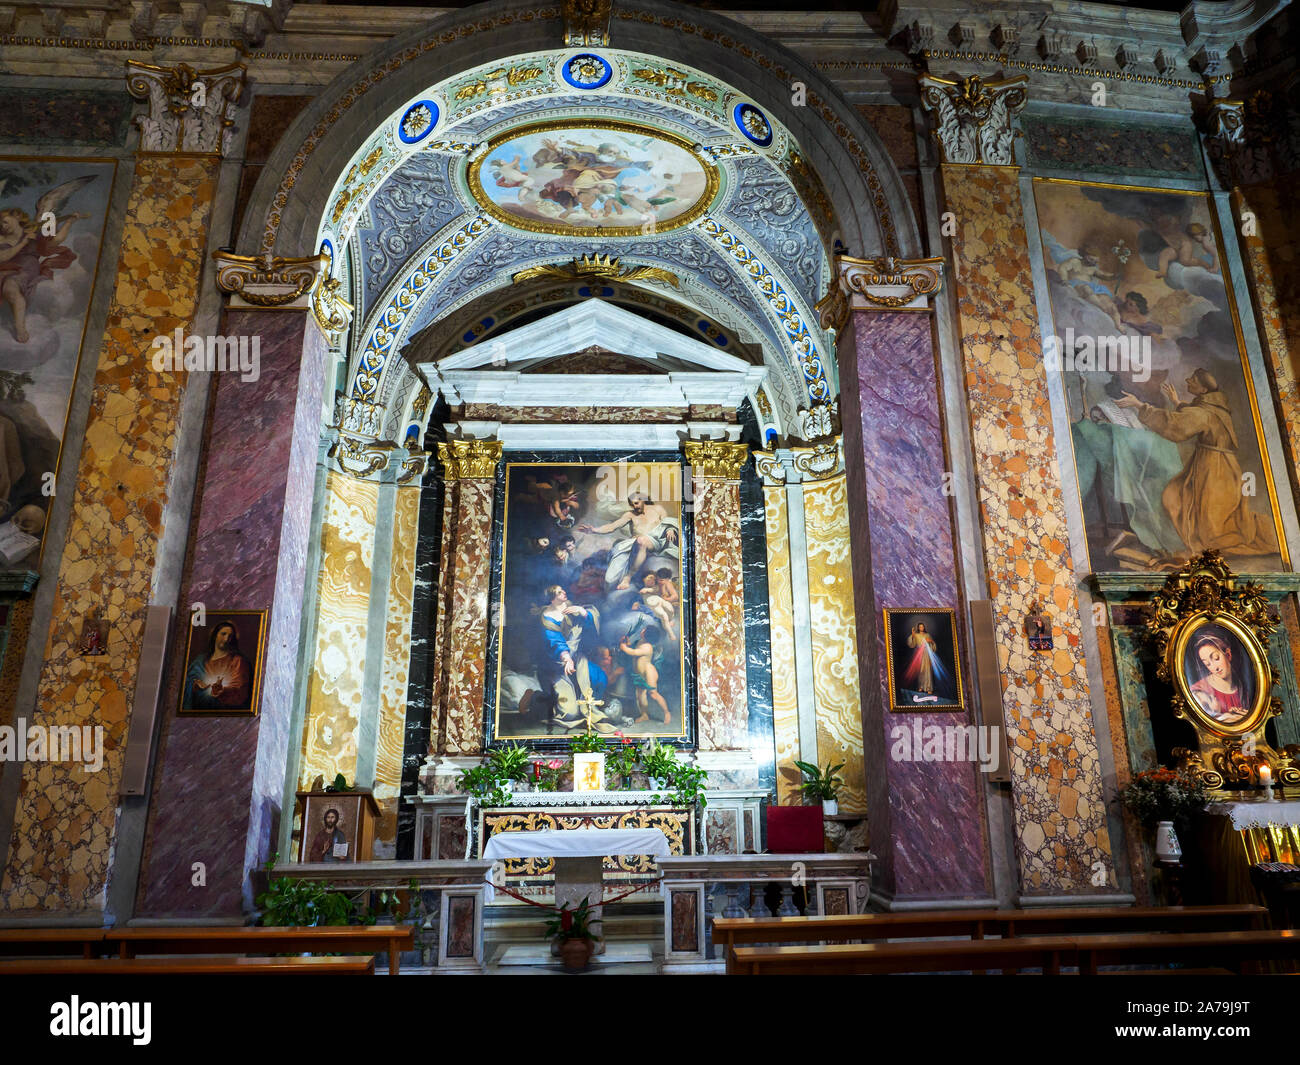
x=483, y=782
x=1164, y=795
x=688, y=783
x=571, y=924
x=340, y=784
x=288, y=903
x=588, y=744
x=819, y=785
x=510, y=761
x=658, y=760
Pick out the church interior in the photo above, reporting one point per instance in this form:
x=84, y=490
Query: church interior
x=640, y=487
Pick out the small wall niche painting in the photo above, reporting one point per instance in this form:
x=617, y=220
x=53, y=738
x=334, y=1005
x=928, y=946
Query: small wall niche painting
x=1221, y=670
x=94, y=636
x=1038, y=627
x=923, y=663
x=223, y=663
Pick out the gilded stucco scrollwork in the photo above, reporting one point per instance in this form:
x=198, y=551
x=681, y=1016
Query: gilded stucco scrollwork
x=596, y=268
x=886, y=282
x=266, y=280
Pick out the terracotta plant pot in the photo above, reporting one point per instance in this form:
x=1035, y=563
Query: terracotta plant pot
x=575, y=953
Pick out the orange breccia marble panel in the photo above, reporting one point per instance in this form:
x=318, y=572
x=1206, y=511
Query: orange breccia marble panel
x=1273, y=266
x=465, y=631
x=834, y=637
x=719, y=617
x=329, y=744
x=396, y=667
x=1060, y=819
x=64, y=823
x=780, y=615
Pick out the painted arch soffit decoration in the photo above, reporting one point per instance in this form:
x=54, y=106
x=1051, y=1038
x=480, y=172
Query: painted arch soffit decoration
x=545, y=157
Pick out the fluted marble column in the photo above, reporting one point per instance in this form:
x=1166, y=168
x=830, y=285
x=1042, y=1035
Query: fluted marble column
x=460, y=649
x=719, y=605
x=65, y=822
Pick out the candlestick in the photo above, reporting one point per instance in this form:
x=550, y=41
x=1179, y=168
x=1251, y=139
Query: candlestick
x=1265, y=775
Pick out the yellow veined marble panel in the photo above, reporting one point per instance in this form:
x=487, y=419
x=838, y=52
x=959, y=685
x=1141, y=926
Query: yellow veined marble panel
x=395, y=671
x=343, y=603
x=780, y=599
x=834, y=637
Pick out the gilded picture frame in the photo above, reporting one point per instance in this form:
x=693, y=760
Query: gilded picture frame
x=596, y=124
x=1221, y=672
x=923, y=660
x=234, y=687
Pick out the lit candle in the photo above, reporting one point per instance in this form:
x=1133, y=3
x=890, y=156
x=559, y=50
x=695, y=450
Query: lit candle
x=1265, y=776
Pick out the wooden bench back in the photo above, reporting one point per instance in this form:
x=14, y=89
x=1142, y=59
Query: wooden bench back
x=980, y=924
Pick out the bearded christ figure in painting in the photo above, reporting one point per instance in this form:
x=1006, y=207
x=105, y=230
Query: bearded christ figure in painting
x=652, y=530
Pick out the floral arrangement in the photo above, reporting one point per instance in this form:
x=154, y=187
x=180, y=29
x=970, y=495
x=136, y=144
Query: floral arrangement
x=684, y=784
x=622, y=760
x=1164, y=795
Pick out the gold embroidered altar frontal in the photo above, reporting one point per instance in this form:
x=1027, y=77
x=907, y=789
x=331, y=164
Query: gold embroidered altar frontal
x=676, y=823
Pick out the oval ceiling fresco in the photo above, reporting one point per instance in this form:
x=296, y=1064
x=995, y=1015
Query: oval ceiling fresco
x=585, y=177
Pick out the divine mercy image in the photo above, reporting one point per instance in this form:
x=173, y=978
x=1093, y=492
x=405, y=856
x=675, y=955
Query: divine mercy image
x=591, y=601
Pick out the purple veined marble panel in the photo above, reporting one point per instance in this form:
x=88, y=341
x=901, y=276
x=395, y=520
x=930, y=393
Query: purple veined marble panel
x=930, y=812
x=218, y=781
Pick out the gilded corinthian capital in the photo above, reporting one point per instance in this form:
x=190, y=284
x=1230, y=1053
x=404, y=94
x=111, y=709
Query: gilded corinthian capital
x=972, y=117
x=716, y=459
x=189, y=110
x=465, y=460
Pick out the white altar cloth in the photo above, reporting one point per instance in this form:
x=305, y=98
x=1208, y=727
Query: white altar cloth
x=1258, y=814
x=577, y=843
x=562, y=844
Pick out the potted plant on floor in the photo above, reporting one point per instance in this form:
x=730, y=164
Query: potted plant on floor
x=1160, y=798
x=824, y=786
x=572, y=929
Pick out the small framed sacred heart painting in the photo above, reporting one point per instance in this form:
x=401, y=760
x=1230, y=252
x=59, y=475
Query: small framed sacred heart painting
x=922, y=659
x=224, y=660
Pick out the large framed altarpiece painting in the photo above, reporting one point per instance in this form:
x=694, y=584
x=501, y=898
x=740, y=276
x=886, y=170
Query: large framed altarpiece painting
x=592, y=608
x=1164, y=421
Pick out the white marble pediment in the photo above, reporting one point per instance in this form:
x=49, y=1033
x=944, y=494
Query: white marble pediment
x=678, y=371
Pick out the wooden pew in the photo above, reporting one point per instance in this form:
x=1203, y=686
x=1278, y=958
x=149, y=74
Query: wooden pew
x=1233, y=951
x=1048, y=953
x=729, y=932
x=358, y=965
x=343, y=939
x=88, y=942
x=1241, y=952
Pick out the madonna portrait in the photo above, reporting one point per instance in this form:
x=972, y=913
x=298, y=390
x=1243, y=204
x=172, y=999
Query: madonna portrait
x=1219, y=673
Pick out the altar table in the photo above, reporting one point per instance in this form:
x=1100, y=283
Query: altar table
x=578, y=854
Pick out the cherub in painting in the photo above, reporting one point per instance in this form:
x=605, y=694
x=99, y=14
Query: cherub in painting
x=29, y=254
